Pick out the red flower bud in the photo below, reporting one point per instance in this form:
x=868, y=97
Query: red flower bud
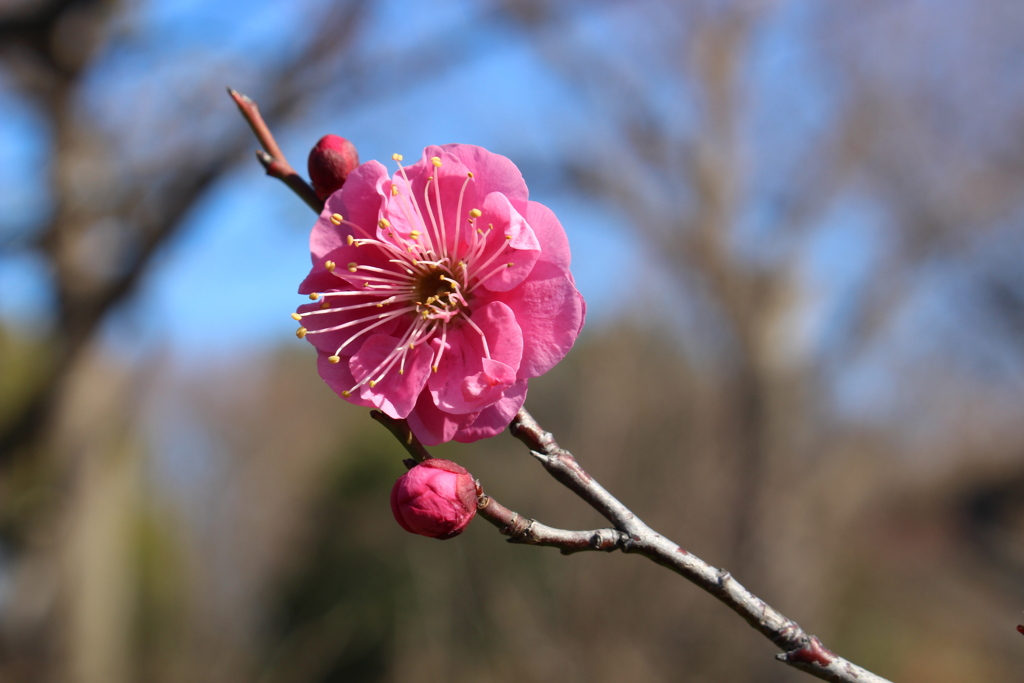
x=436, y=498
x=330, y=162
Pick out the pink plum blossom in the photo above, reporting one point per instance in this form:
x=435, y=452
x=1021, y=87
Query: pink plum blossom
x=436, y=498
x=439, y=291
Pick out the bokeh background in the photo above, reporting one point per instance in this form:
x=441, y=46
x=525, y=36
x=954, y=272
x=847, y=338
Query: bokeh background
x=798, y=227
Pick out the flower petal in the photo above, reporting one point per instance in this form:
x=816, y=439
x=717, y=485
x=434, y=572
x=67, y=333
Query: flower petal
x=512, y=246
x=395, y=394
x=493, y=173
x=554, y=244
x=339, y=378
x=433, y=426
x=358, y=201
x=550, y=311
x=462, y=365
x=495, y=418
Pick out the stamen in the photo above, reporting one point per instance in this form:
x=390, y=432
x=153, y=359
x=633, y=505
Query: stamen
x=394, y=190
x=458, y=212
x=489, y=276
x=440, y=349
x=397, y=157
x=349, y=239
x=333, y=359
x=330, y=265
x=384, y=223
x=337, y=218
x=301, y=332
x=475, y=213
x=436, y=161
x=314, y=296
x=487, y=351
x=352, y=267
x=296, y=316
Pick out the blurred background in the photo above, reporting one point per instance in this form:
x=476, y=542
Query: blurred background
x=798, y=227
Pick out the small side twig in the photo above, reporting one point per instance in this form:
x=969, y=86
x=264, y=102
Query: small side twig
x=519, y=529
x=271, y=157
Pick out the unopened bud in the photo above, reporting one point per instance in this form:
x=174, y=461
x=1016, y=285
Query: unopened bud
x=330, y=162
x=436, y=498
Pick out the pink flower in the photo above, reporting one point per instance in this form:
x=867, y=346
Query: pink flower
x=439, y=292
x=436, y=498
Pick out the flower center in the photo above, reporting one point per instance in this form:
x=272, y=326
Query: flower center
x=438, y=294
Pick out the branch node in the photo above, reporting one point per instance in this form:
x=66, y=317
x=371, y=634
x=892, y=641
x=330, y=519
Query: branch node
x=540, y=456
x=812, y=652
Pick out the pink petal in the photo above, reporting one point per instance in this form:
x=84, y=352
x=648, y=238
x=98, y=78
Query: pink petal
x=432, y=426
x=339, y=378
x=495, y=418
x=358, y=201
x=550, y=311
x=488, y=384
x=493, y=173
x=464, y=358
x=395, y=394
x=516, y=240
x=553, y=242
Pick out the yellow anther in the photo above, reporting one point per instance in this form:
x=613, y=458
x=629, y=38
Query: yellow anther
x=436, y=161
x=469, y=175
x=394, y=190
x=296, y=316
x=401, y=372
x=325, y=304
x=346, y=393
x=480, y=231
x=414, y=234
x=510, y=265
x=396, y=157
x=330, y=266
x=383, y=222
x=434, y=368
x=475, y=213
x=352, y=267
x=301, y=332
x=372, y=384
x=412, y=345
x=336, y=218
x=333, y=359
x=508, y=237
x=350, y=239
x=314, y=296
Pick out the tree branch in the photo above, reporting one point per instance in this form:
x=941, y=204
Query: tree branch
x=271, y=157
x=800, y=650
